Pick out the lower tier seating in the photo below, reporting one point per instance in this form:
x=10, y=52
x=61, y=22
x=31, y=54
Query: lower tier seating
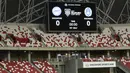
x=126, y=63
x=2, y=71
x=18, y=67
x=45, y=67
x=96, y=59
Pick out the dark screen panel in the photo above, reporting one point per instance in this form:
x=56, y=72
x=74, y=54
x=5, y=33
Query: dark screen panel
x=94, y=70
x=71, y=17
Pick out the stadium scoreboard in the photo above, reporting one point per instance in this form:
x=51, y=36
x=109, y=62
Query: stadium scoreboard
x=71, y=17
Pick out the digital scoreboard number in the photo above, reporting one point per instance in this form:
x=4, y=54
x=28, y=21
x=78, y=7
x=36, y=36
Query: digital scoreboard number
x=71, y=17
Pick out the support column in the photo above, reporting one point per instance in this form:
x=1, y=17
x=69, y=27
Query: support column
x=49, y=55
x=108, y=53
x=9, y=56
x=89, y=54
x=128, y=54
x=76, y=65
x=111, y=70
x=29, y=56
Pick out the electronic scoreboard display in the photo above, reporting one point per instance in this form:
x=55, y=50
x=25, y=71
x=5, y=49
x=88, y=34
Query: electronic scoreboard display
x=71, y=17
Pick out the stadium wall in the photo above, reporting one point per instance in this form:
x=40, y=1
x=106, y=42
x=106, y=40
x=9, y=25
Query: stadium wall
x=72, y=66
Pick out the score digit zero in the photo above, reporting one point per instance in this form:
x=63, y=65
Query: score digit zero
x=88, y=23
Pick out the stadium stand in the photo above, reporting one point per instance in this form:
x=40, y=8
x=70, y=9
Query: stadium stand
x=19, y=36
x=45, y=67
x=56, y=40
x=97, y=59
x=124, y=33
x=18, y=67
x=22, y=36
x=2, y=71
x=125, y=62
x=99, y=40
x=26, y=67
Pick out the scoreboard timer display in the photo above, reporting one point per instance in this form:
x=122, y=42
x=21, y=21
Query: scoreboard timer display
x=71, y=17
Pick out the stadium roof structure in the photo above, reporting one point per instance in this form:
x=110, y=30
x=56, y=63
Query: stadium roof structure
x=33, y=11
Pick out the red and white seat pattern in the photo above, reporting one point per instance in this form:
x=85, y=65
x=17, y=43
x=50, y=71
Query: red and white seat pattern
x=2, y=71
x=124, y=33
x=99, y=40
x=56, y=40
x=96, y=59
x=45, y=67
x=20, y=36
x=19, y=67
x=125, y=62
x=59, y=40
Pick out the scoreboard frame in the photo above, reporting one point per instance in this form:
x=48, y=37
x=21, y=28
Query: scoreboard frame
x=47, y=25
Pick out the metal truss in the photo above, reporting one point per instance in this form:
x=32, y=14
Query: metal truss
x=3, y=10
x=31, y=11
x=125, y=13
x=105, y=9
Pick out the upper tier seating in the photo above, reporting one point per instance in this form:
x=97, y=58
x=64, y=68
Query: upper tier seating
x=56, y=40
x=22, y=36
x=45, y=67
x=99, y=40
x=124, y=33
x=2, y=71
x=18, y=67
x=19, y=36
